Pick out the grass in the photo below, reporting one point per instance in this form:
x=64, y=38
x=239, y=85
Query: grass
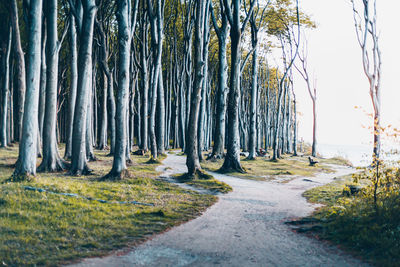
x=355, y=224
x=40, y=228
x=264, y=169
x=207, y=182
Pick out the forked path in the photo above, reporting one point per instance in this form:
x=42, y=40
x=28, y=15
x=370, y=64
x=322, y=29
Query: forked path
x=244, y=228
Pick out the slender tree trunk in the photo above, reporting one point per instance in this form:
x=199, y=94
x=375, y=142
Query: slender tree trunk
x=254, y=100
x=161, y=115
x=145, y=87
x=219, y=135
x=192, y=160
x=202, y=118
x=73, y=86
x=119, y=169
x=21, y=79
x=43, y=79
x=52, y=161
x=26, y=164
x=79, y=163
x=232, y=158
x=6, y=89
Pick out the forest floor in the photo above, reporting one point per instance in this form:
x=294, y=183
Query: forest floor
x=78, y=217
x=244, y=228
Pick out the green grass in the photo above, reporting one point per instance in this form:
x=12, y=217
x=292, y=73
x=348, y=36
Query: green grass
x=50, y=229
x=207, y=182
x=264, y=169
x=354, y=224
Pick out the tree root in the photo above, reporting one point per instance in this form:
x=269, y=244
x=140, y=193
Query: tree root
x=197, y=175
x=58, y=166
x=116, y=176
x=152, y=160
x=20, y=177
x=231, y=166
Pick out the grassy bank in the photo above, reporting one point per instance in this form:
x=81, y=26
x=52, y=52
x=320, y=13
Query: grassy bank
x=356, y=223
x=46, y=228
x=207, y=182
x=263, y=168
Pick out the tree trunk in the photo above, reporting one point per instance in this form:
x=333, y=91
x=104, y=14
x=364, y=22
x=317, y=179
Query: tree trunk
x=232, y=158
x=52, y=161
x=21, y=79
x=43, y=79
x=254, y=99
x=6, y=88
x=26, y=164
x=192, y=160
x=79, y=164
x=145, y=87
x=73, y=86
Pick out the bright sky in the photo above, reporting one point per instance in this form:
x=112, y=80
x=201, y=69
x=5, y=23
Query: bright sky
x=335, y=58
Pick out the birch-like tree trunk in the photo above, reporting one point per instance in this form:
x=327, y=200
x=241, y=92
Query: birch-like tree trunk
x=26, y=164
x=73, y=44
x=6, y=89
x=79, y=162
x=52, y=161
x=21, y=75
x=192, y=160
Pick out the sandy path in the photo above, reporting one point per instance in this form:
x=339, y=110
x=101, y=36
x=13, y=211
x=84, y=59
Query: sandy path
x=245, y=228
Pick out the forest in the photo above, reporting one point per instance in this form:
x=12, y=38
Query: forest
x=120, y=119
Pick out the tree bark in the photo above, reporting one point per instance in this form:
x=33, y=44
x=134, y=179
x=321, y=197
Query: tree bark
x=52, y=161
x=192, y=160
x=79, y=163
x=73, y=86
x=21, y=76
x=6, y=89
x=26, y=164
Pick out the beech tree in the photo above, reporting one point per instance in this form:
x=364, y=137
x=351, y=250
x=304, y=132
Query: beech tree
x=126, y=26
x=232, y=159
x=26, y=164
x=51, y=159
x=192, y=146
x=78, y=159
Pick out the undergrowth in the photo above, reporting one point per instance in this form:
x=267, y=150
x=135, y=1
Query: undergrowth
x=42, y=228
x=357, y=223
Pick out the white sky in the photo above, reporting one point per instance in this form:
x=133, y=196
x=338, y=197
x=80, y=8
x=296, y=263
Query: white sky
x=335, y=58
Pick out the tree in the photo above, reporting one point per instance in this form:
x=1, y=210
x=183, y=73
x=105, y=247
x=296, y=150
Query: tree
x=222, y=91
x=51, y=159
x=366, y=30
x=312, y=90
x=155, y=13
x=73, y=81
x=192, y=146
x=6, y=89
x=126, y=27
x=21, y=76
x=232, y=159
x=255, y=27
x=79, y=162
x=26, y=164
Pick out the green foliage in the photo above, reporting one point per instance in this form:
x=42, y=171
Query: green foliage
x=370, y=229
x=41, y=228
x=282, y=15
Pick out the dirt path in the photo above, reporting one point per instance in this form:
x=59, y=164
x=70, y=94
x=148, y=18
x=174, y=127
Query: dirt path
x=245, y=228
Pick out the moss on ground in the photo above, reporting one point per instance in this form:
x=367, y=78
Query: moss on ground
x=41, y=228
x=264, y=169
x=353, y=222
x=206, y=181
